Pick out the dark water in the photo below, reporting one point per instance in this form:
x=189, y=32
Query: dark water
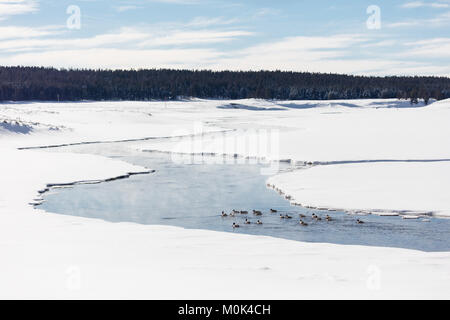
x=194, y=195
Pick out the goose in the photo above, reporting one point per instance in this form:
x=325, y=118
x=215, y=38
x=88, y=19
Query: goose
x=247, y=221
x=235, y=225
x=287, y=216
x=328, y=218
x=302, y=215
x=273, y=210
x=303, y=223
x=235, y=211
x=244, y=212
x=224, y=214
x=359, y=221
x=259, y=222
x=257, y=212
x=282, y=217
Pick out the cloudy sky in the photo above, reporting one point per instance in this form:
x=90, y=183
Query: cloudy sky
x=410, y=37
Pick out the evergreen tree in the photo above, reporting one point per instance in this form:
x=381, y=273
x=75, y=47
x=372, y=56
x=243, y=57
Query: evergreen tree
x=37, y=83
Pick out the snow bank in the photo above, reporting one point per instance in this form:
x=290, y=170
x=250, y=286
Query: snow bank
x=329, y=134
x=385, y=186
x=104, y=121
x=24, y=173
x=14, y=127
x=65, y=257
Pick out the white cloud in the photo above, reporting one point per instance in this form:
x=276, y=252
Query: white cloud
x=382, y=43
x=126, y=8
x=267, y=12
x=115, y=58
x=440, y=20
x=206, y=22
x=404, y=24
x=192, y=46
x=328, y=54
x=17, y=32
x=19, y=39
x=431, y=48
x=295, y=53
x=420, y=4
x=17, y=7
x=25, y=43
x=315, y=54
x=178, y=38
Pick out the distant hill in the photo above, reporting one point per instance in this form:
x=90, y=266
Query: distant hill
x=38, y=83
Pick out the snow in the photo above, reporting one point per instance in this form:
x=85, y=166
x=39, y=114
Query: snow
x=46, y=255
x=387, y=186
x=25, y=172
x=335, y=132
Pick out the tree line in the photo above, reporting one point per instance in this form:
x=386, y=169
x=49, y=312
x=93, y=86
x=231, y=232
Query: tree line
x=50, y=84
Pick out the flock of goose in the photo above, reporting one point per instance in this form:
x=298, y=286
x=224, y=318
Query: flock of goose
x=285, y=216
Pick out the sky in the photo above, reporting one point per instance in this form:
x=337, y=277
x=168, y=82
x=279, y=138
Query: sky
x=376, y=37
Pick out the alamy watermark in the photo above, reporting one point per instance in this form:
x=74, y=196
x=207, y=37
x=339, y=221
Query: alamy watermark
x=74, y=19
x=73, y=278
x=240, y=146
x=374, y=20
x=373, y=281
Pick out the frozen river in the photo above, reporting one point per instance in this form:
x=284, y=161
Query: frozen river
x=194, y=195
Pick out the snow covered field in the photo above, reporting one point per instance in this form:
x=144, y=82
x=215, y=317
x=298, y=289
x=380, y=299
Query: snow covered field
x=50, y=256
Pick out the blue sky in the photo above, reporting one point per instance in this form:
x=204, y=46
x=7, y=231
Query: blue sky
x=299, y=35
